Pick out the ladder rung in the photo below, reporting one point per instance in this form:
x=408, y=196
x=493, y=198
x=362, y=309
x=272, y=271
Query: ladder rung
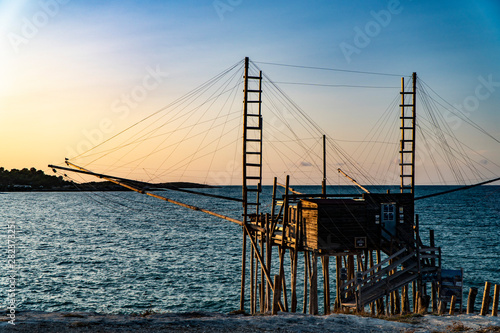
x=407, y=92
x=253, y=204
x=254, y=91
x=405, y=151
x=254, y=77
x=254, y=101
x=406, y=128
x=254, y=152
x=253, y=164
x=253, y=190
x=403, y=164
x=405, y=105
x=254, y=128
x=404, y=140
x=405, y=117
x=402, y=176
x=253, y=140
x=253, y=115
x=252, y=177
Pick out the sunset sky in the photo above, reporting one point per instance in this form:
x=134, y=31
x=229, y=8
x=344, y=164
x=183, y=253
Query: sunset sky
x=66, y=65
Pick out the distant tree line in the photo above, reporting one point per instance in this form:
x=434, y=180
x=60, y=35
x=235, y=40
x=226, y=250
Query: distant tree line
x=29, y=179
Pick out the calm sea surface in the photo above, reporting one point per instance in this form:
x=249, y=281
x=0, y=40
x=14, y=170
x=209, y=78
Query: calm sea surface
x=122, y=252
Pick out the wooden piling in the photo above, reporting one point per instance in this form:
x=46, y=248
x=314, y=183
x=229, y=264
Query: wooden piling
x=243, y=269
x=433, y=264
x=252, y=281
x=313, y=298
x=338, y=267
x=276, y=294
x=293, y=282
x=452, y=304
x=494, y=306
x=261, y=297
x=416, y=297
x=404, y=299
x=397, y=302
x=486, y=299
x=471, y=300
x=325, y=260
x=441, y=307
x=414, y=294
x=307, y=268
x=269, y=222
x=380, y=301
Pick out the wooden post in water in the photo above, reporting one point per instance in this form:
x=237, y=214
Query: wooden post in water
x=452, y=304
x=243, y=269
x=370, y=257
x=262, y=301
x=276, y=294
x=471, y=300
x=252, y=281
x=380, y=301
x=433, y=264
x=326, y=283
x=293, y=261
x=307, y=268
x=494, y=306
x=441, y=307
x=313, y=298
x=486, y=299
x=405, y=302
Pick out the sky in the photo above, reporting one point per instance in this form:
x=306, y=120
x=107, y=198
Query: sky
x=66, y=65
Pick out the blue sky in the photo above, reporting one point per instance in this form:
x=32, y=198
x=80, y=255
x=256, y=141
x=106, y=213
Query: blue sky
x=62, y=78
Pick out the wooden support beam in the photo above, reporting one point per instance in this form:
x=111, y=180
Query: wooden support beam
x=380, y=302
x=441, y=307
x=283, y=289
x=405, y=302
x=471, y=300
x=252, y=281
x=370, y=257
x=262, y=301
x=313, y=299
x=433, y=264
x=267, y=269
x=307, y=268
x=486, y=298
x=243, y=269
x=326, y=283
x=293, y=262
x=494, y=306
x=276, y=294
x=452, y=304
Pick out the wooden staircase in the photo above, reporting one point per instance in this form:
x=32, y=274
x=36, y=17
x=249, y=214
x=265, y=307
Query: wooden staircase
x=396, y=271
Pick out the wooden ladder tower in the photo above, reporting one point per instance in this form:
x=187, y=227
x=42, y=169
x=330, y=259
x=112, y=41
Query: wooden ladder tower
x=407, y=143
x=252, y=156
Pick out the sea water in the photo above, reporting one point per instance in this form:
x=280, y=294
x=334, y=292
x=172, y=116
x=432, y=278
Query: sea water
x=122, y=252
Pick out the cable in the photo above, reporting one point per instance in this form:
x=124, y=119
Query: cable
x=326, y=69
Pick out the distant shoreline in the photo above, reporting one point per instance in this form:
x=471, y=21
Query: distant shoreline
x=105, y=187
